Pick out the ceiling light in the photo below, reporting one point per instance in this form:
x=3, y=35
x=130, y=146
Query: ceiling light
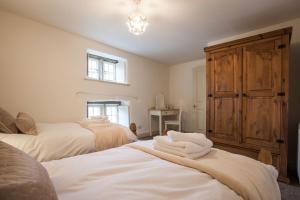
x=137, y=22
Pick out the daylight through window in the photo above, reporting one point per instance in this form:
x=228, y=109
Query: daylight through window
x=106, y=69
x=115, y=111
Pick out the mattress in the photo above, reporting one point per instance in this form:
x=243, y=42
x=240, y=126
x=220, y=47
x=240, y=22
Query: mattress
x=126, y=173
x=54, y=141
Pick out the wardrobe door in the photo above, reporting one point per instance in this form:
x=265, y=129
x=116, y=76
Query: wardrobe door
x=224, y=101
x=262, y=94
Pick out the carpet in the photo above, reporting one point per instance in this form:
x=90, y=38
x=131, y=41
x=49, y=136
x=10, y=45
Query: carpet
x=289, y=192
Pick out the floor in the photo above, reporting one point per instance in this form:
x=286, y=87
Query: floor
x=292, y=191
x=289, y=192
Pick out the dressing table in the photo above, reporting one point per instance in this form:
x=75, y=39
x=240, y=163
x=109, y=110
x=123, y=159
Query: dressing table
x=160, y=114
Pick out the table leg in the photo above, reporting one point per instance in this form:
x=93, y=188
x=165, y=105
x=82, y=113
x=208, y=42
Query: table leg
x=150, y=124
x=160, y=125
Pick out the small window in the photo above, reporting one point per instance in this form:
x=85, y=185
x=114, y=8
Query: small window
x=109, y=71
x=93, y=68
x=115, y=111
x=105, y=67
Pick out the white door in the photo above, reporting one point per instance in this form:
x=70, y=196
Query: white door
x=199, y=81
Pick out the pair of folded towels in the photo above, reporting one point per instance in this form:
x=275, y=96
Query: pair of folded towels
x=188, y=145
x=95, y=121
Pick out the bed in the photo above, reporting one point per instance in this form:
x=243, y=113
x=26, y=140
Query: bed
x=59, y=140
x=137, y=171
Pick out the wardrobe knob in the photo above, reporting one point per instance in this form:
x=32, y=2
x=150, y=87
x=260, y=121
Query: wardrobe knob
x=280, y=141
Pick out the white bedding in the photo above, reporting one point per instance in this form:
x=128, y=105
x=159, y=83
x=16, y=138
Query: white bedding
x=54, y=141
x=127, y=173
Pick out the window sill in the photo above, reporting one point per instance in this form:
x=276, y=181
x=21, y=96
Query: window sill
x=109, y=82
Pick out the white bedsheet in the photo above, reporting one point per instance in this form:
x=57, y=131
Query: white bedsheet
x=125, y=173
x=54, y=141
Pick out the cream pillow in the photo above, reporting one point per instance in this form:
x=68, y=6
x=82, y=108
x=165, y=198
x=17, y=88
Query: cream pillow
x=7, y=122
x=26, y=124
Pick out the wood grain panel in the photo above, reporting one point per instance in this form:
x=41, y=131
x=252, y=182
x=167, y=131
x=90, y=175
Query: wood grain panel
x=261, y=122
x=259, y=74
x=225, y=101
x=224, y=73
x=261, y=83
x=247, y=96
x=224, y=116
x=262, y=68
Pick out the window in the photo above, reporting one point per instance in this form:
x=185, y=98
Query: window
x=115, y=111
x=106, y=67
x=109, y=71
x=93, y=68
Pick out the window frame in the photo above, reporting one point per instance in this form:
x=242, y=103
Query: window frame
x=111, y=106
x=103, y=71
x=101, y=61
x=104, y=103
x=89, y=104
x=87, y=70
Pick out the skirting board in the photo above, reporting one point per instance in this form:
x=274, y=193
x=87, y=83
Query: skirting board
x=143, y=135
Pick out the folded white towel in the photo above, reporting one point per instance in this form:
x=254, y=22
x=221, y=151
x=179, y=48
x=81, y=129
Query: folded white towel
x=181, y=146
x=164, y=148
x=197, y=138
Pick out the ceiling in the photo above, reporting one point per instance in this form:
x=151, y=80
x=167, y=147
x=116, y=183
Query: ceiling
x=178, y=29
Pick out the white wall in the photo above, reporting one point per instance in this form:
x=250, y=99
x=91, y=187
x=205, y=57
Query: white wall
x=294, y=23
x=42, y=68
x=182, y=91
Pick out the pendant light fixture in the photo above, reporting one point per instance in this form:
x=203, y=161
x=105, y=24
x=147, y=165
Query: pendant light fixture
x=137, y=21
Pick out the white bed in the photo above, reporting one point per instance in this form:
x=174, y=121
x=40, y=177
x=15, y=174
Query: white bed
x=54, y=141
x=127, y=173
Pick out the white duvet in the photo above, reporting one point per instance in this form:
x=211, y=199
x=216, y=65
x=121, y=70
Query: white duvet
x=126, y=173
x=54, y=141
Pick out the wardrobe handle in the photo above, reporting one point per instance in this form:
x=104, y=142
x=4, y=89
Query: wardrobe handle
x=245, y=95
x=280, y=141
x=281, y=94
x=236, y=95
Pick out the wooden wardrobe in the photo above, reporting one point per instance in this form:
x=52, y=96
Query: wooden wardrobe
x=247, y=96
